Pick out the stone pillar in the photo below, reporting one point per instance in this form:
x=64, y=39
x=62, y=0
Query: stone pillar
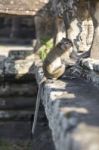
x=14, y=27
x=95, y=45
x=81, y=29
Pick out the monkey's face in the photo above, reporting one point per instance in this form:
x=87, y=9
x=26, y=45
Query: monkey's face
x=66, y=44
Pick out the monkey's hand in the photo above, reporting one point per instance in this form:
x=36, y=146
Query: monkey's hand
x=69, y=62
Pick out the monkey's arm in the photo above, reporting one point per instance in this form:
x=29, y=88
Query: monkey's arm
x=59, y=71
x=54, y=65
x=69, y=62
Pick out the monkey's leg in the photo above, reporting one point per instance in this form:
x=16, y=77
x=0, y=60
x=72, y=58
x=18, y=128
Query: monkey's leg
x=36, y=109
x=59, y=72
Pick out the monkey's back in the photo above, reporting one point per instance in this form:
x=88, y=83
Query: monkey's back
x=52, y=60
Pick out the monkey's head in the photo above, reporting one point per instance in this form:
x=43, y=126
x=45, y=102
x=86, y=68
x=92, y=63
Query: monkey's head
x=66, y=44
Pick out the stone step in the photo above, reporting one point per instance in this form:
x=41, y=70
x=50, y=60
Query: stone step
x=15, y=50
x=16, y=115
x=21, y=115
x=23, y=78
x=15, y=129
x=16, y=64
x=15, y=41
x=18, y=67
x=12, y=89
x=17, y=103
x=22, y=129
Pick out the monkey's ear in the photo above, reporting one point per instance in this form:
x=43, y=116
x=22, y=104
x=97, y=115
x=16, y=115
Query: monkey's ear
x=63, y=40
x=63, y=43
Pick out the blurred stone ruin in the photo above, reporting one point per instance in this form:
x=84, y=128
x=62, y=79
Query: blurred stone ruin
x=32, y=27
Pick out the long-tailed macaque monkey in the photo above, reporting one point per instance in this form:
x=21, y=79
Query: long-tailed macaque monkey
x=57, y=59
x=54, y=66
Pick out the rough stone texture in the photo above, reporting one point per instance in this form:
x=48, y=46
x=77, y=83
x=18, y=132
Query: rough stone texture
x=89, y=70
x=95, y=45
x=19, y=67
x=15, y=115
x=17, y=103
x=78, y=22
x=72, y=108
x=23, y=89
x=17, y=72
x=91, y=64
x=16, y=64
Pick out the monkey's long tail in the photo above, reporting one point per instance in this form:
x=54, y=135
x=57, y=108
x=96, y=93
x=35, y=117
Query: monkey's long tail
x=36, y=110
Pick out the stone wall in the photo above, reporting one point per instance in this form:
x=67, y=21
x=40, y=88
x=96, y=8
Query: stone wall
x=71, y=106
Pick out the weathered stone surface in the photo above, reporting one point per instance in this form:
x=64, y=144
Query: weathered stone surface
x=72, y=110
x=12, y=89
x=17, y=65
x=78, y=21
x=91, y=64
x=79, y=34
x=17, y=103
x=26, y=53
x=15, y=115
x=89, y=70
x=15, y=130
x=95, y=46
x=67, y=108
x=10, y=48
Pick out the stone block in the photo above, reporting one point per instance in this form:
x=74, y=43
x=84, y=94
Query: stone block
x=18, y=68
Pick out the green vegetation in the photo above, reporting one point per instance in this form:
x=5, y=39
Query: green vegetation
x=46, y=46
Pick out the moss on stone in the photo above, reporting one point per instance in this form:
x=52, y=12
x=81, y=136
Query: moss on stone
x=47, y=45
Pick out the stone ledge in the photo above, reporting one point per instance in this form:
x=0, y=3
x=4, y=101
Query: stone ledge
x=23, y=89
x=72, y=108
